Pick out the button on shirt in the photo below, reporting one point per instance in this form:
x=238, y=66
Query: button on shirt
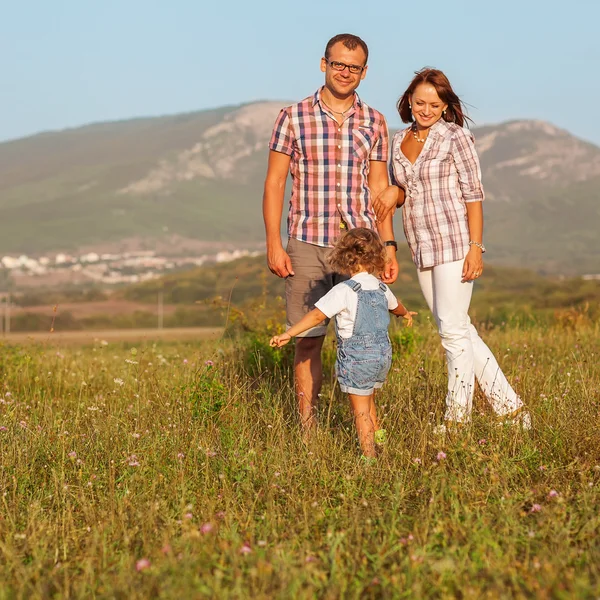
x=329, y=165
x=445, y=177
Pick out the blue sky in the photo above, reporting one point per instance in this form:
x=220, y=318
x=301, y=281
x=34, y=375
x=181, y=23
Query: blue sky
x=67, y=63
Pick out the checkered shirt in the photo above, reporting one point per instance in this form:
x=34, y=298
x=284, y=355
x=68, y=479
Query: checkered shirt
x=445, y=177
x=329, y=166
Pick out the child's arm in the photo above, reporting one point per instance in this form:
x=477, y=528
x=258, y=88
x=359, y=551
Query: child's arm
x=311, y=319
x=402, y=311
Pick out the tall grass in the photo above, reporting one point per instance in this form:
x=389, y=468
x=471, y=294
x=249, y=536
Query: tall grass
x=177, y=471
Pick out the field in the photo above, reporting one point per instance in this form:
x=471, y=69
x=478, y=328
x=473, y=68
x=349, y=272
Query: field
x=174, y=469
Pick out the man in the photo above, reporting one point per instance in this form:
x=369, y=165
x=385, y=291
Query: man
x=336, y=148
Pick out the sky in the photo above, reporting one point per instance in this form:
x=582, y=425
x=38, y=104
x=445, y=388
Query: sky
x=65, y=63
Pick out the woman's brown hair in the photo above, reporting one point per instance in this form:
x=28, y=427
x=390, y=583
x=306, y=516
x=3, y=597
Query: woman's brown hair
x=453, y=114
x=359, y=247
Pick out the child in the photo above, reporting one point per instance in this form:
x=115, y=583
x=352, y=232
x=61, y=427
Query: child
x=361, y=306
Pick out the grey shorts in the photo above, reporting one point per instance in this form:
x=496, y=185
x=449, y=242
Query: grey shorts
x=312, y=279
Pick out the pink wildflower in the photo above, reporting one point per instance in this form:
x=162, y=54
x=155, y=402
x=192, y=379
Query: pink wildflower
x=206, y=528
x=245, y=549
x=72, y=454
x=441, y=455
x=535, y=508
x=552, y=494
x=209, y=363
x=142, y=564
x=482, y=442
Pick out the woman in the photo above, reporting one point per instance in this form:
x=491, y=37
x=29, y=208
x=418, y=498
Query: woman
x=437, y=179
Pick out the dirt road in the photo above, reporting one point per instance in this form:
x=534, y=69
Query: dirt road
x=112, y=335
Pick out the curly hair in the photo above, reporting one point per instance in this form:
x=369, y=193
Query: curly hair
x=359, y=247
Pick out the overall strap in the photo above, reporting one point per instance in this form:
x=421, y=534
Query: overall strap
x=383, y=287
x=355, y=285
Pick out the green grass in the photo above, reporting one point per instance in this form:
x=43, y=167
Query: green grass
x=114, y=454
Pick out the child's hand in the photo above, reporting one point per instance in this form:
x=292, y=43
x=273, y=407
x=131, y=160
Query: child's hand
x=280, y=340
x=409, y=318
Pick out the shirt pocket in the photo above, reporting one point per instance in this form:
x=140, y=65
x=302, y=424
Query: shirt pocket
x=363, y=139
x=436, y=166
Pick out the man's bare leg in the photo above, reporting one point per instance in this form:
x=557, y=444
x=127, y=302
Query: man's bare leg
x=308, y=371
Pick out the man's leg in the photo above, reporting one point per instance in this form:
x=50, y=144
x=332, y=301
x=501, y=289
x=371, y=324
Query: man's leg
x=312, y=280
x=308, y=373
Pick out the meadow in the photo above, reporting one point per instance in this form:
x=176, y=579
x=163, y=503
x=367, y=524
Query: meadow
x=175, y=469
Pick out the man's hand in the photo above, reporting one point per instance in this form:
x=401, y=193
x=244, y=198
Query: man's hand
x=279, y=262
x=390, y=273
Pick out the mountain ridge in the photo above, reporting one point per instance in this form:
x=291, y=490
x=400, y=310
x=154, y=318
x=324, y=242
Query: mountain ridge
x=199, y=175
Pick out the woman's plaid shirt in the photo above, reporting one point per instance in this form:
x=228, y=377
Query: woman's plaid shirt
x=445, y=176
x=329, y=167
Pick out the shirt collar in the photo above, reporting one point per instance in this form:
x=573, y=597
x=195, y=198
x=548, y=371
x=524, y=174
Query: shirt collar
x=440, y=127
x=317, y=98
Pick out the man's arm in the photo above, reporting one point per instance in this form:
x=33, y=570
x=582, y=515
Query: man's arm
x=277, y=258
x=378, y=182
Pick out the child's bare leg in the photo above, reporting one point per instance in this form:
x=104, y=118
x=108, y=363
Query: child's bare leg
x=373, y=413
x=361, y=407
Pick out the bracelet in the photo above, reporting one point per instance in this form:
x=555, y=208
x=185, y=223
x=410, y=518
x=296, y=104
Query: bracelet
x=479, y=245
x=391, y=243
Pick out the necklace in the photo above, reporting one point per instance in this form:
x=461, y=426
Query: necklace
x=339, y=112
x=414, y=130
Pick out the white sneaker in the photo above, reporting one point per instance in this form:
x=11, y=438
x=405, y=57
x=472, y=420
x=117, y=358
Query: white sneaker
x=448, y=427
x=519, y=417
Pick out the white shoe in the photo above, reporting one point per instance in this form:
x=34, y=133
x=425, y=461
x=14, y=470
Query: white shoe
x=448, y=427
x=519, y=417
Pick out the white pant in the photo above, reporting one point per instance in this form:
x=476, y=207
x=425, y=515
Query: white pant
x=466, y=353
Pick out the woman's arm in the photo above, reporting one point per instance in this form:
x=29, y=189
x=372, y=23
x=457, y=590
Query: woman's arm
x=473, y=265
x=469, y=178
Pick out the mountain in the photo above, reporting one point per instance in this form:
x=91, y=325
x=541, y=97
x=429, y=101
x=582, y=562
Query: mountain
x=199, y=176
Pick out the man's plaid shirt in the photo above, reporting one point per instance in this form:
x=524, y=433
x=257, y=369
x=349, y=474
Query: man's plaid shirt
x=329, y=166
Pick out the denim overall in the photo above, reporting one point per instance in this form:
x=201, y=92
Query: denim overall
x=364, y=359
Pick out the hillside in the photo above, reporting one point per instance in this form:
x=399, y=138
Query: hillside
x=199, y=176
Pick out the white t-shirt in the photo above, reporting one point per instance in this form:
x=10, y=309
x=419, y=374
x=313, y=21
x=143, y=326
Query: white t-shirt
x=342, y=301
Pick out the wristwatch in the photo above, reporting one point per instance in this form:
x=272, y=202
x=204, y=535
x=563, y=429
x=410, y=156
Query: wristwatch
x=391, y=243
x=480, y=246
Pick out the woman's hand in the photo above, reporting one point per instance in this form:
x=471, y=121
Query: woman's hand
x=387, y=201
x=473, y=265
x=277, y=341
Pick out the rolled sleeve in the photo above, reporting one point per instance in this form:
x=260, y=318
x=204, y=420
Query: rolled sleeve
x=282, y=136
x=467, y=167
